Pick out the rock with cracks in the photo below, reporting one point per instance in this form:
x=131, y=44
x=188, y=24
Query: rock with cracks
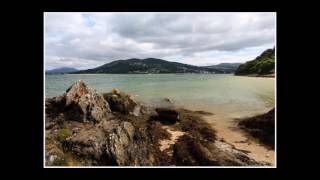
x=85, y=104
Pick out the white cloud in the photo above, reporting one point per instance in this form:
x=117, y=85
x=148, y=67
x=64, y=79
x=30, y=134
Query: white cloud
x=85, y=40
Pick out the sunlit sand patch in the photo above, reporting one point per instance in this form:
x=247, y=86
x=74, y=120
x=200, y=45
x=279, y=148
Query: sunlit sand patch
x=166, y=143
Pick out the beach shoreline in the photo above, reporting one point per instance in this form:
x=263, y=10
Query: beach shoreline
x=259, y=75
x=228, y=131
x=118, y=125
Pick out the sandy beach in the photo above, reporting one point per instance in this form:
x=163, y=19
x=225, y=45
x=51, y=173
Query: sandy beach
x=228, y=131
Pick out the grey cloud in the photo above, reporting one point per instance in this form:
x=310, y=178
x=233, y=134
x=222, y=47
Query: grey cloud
x=119, y=36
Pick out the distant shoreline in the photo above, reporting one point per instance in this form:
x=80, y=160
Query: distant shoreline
x=140, y=73
x=249, y=75
x=259, y=75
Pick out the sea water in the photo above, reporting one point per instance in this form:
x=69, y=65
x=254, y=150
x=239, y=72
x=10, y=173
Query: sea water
x=223, y=94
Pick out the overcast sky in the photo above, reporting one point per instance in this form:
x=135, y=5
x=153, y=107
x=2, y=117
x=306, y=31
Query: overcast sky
x=87, y=40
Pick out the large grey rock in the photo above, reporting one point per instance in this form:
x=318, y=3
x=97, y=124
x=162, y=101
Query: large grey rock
x=85, y=104
x=127, y=147
x=75, y=92
x=117, y=143
x=87, y=143
x=111, y=143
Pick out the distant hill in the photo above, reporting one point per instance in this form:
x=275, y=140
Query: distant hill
x=146, y=66
x=61, y=70
x=225, y=67
x=261, y=65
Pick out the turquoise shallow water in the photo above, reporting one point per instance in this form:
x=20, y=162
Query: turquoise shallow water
x=224, y=94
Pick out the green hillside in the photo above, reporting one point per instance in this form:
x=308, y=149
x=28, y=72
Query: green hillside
x=261, y=65
x=154, y=66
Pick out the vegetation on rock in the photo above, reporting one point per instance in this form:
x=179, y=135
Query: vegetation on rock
x=63, y=134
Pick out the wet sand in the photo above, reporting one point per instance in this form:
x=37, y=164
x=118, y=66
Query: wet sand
x=228, y=131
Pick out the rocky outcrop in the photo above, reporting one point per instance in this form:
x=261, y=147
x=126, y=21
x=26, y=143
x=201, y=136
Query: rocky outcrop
x=261, y=127
x=78, y=103
x=112, y=143
x=121, y=102
x=125, y=146
x=189, y=151
x=118, y=141
x=85, y=104
x=229, y=155
x=91, y=129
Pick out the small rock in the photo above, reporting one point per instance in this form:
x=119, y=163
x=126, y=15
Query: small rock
x=49, y=125
x=121, y=102
x=170, y=115
x=115, y=91
x=136, y=110
x=58, y=99
x=168, y=99
x=267, y=155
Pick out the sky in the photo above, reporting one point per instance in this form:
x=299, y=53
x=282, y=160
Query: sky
x=88, y=40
